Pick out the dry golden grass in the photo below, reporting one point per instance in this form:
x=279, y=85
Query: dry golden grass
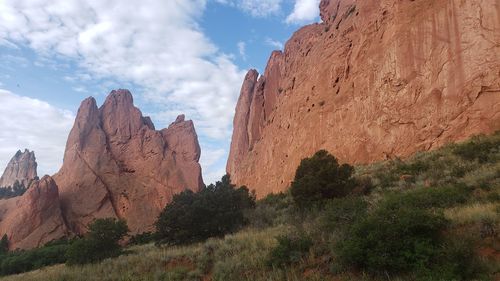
x=473, y=213
x=242, y=253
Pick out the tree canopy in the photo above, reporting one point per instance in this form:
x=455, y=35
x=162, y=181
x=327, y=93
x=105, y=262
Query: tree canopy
x=319, y=178
x=213, y=212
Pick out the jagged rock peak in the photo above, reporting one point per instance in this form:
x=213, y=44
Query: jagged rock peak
x=22, y=168
x=180, y=118
x=117, y=165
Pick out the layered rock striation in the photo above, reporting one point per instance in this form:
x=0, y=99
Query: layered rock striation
x=117, y=165
x=21, y=168
x=375, y=80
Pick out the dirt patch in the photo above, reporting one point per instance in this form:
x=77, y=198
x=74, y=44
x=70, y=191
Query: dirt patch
x=489, y=253
x=183, y=262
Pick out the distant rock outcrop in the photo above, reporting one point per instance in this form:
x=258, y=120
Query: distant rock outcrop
x=21, y=168
x=34, y=218
x=117, y=165
x=376, y=79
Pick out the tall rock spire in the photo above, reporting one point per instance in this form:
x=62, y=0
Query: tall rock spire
x=21, y=168
x=117, y=165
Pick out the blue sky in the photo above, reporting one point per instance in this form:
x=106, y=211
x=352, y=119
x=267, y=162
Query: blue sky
x=176, y=56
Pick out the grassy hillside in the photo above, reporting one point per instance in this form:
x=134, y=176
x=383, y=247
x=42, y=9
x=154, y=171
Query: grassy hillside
x=460, y=182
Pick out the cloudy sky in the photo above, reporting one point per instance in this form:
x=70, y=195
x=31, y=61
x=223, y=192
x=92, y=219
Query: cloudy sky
x=176, y=56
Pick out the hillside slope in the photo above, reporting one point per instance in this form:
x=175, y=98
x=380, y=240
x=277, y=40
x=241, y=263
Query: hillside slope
x=460, y=181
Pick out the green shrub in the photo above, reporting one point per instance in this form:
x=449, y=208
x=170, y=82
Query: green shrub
x=455, y=261
x=363, y=186
x=412, y=168
x=493, y=197
x=143, y=238
x=405, y=239
x=479, y=149
x=290, y=249
x=320, y=178
x=432, y=197
x=341, y=213
x=272, y=210
x=84, y=251
x=213, y=212
x=276, y=200
x=386, y=178
x=22, y=261
x=4, y=245
x=393, y=241
x=101, y=242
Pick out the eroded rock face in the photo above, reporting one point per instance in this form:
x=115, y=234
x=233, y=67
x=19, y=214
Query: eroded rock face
x=377, y=79
x=117, y=165
x=21, y=168
x=34, y=218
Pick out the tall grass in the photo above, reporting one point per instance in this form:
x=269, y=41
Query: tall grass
x=474, y=213
x=241, y=256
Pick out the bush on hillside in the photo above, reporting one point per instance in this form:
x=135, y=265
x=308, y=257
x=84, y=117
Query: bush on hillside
x=213, y=212
x=4, y=245
x=143, y=238
x=277, y=200
x=412, y=168
x=432, y=197
x=340, y=213
x=320, y=178
x=22, y=261
x=101, y=242
x=479, y=149
x=290, y=249
x=272, y=210
x=407, y=239
x=456, y=261
x=394, y=241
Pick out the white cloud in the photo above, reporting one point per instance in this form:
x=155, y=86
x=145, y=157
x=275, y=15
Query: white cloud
x=242, y=49
x=274, y=43
x=157, y=45
x=80, y=89
x=35, y=125
x=304, y=11
x=209, y=159
x=256, y=8
x=214, y=175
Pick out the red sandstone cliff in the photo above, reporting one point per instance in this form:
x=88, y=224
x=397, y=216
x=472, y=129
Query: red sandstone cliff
x=21, y=168
x=34, y=218
x=376, y=79
x=117, y=165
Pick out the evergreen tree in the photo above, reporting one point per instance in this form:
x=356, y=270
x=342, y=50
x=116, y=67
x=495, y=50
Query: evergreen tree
x=213, y=212
x=4, y=245
x=320, y=178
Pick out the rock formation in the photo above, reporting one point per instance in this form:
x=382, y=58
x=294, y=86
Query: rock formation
x=117, y=165
x=34, y=218
x=21, y=168
x=375, y=80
